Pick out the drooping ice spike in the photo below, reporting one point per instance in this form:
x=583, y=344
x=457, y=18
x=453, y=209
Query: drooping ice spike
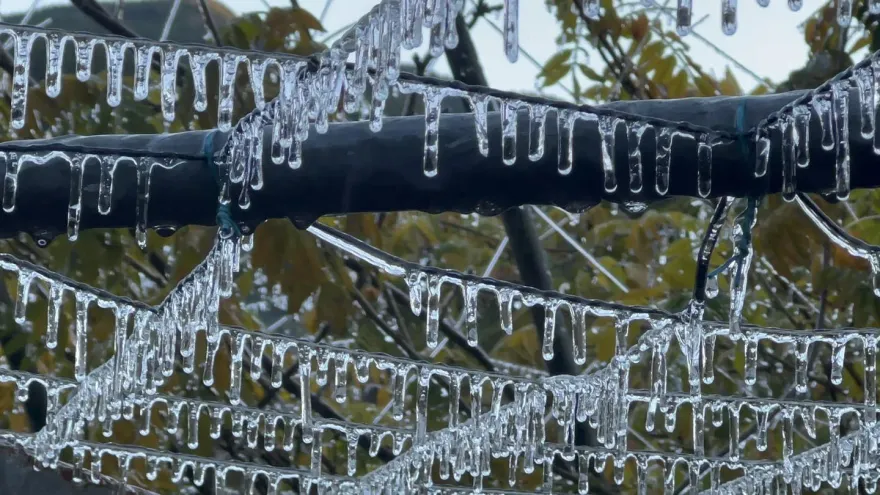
x=607, y=130
x=634, y=141
x=801, y=114
x=21, y=77
x=822, y=106
x=762, y=149
x=864, y=78
x=508, y=130
x=684, y=12
x=739, y=270
x=25, y=277
x=789, y=167
x=704, y=165
x=537, y=131
x=664, y=139
x=54, y=58
x=10, y=180
x=840, y=107
x=874, y=6
x=83, y=300
x=728, y=16
x=565, y=120
x=480, y=105
x=511, y=29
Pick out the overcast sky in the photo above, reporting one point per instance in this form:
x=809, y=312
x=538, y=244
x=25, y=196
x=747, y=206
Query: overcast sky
x=768, y=41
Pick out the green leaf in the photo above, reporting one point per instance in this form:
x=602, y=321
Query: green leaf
x=556, y=68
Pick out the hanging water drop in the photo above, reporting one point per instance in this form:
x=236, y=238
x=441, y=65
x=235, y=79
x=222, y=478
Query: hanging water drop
x=712, y=287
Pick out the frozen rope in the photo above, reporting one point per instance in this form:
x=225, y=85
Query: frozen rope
x=225, y=221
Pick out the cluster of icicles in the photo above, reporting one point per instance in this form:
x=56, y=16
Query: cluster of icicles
x=684, y=12
x=513, y=426
x=302, y=103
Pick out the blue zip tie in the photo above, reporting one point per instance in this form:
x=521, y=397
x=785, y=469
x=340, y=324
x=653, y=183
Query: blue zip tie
x=224, y=212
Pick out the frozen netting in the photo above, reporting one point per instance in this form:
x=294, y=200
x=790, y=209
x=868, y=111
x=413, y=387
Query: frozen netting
x=527, y=418
x=507, y=412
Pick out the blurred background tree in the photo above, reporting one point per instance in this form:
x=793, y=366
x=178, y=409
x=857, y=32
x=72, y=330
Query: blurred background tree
x=292, y=285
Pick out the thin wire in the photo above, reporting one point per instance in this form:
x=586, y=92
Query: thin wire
x=575, y=244
x=172, y=15
x=323, y=15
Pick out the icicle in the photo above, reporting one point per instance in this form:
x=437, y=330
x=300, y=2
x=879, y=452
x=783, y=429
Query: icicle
x=704, y=165
x=822, y=107
x=864, y=78
x=105, y=184
x=340, y=392
x=511, y=29
x=168, y=78
x=74, y=208
x=607, y=129
x=537, y=131
x=802, y=134
x=481, y=121
x=122, y=314
x=734, y=410
x=508, y=129
x=634, y=139
x=85, y=50
x=305, y=367
x=844, y=12
x=664, y=157
x=579, y=335
x=683, y=17
x=433, y=100
x=25, y=277
x=80, y=349
x=761, y=415
x=762, y=150
x=869, y=344
x=840, y=104
x=438, y=29
x=728, y=16
x=398, y=392
x=789, y=168
x=471, y=291
x=228, y=69
x=10, y=180
x=549, y=331
x=505, y=308
x=708, y=359
x=21, y=77
x=751, y=351
x=115, y=62
x=54, y=57
x=435, y=283
x=838, y=355
x=144, y=169
x=565, y=120
x=801, y=371
x=795, y=5
x=874, y=6
x=56, y=298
